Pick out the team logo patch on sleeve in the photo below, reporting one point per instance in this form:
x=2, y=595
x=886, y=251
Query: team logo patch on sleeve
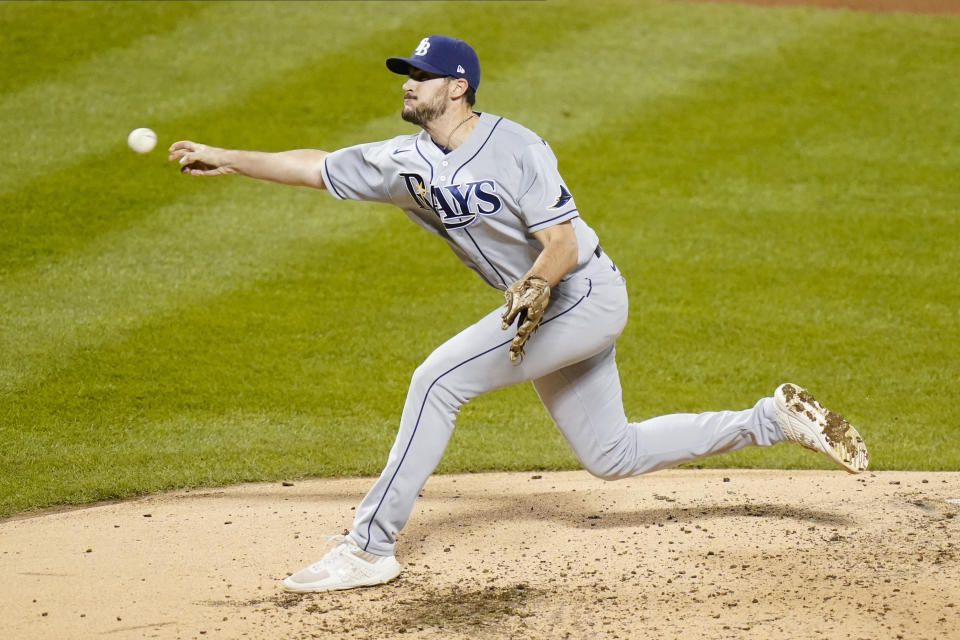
x=562, y=199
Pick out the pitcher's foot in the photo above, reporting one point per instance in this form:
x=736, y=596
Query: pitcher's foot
x=346, y=566
x=811, y=425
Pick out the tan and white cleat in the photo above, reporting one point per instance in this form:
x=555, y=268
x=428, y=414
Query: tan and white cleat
x=811, y=425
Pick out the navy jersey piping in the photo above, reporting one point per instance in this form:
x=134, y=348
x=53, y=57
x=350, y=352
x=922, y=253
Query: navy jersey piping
x=330, y=175
x=574, y=305
x=482, y=255
x=423, y=405
x=477, y=271
x=416, y=144
x=492, y=129
x=540, y=224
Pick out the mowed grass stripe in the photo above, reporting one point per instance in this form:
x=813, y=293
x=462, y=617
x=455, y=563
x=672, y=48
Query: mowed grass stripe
x=189, y=375
x=97, y=392
x=825, y=258
x=819, y=113
x=60, y=212
x=46, y=40
x=182, y=254
x=97, y=280
x=749, y=142
x=205, y=62
x=65, y=209
x=589, y=38
x=757, y=166
x=105, y=283
x=612, y=74
x=317, y=103
x=272, y=378
x=269, y=381
x=61, y=326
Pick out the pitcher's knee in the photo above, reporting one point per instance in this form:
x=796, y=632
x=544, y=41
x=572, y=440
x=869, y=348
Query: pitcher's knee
x=428, y=373
x=609, y=467
x=423, y=377
x=431, y=381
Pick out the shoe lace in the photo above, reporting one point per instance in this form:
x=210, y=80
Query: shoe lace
x=330, y=542
x=351, y=547
x=338, y=539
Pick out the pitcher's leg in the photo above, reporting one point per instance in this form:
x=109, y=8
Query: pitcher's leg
x=586, y=404
x=453, y=374
x=471, y=363
x=681, y=437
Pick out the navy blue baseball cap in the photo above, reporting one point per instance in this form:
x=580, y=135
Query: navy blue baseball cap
x=444, y=56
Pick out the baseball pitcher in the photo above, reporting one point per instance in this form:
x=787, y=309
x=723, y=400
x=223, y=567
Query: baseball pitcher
x=491, y=190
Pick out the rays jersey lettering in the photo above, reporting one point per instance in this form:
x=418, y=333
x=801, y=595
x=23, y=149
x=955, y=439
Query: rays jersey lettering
x=457, y=205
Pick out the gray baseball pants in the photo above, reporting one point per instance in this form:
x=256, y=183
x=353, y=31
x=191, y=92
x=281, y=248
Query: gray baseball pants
x=572, y=365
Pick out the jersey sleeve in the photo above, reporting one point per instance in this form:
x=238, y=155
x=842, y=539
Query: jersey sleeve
x=359, y=172
x=544, y=199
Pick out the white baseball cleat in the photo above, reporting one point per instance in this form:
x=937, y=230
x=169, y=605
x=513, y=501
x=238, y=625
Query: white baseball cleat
x=346, y=566
x=811, y=425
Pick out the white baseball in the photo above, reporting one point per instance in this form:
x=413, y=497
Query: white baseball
x=142, y=140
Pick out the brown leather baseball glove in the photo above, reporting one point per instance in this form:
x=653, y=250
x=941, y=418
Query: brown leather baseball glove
x=526, y=299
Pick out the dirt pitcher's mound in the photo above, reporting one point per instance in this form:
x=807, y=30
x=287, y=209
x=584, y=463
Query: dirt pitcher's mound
x=676, y=554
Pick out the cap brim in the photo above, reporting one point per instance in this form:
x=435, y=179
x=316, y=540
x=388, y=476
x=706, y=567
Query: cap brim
x=402, y=66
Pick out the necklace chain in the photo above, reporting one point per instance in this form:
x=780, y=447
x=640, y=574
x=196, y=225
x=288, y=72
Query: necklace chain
x=462, y=122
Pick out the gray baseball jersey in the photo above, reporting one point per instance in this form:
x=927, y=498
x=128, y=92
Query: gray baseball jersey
x=486, y=198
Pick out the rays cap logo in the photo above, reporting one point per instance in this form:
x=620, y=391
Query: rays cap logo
x=444, y=56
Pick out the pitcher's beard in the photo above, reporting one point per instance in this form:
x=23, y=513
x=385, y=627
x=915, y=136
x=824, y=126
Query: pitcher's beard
x=423, y=114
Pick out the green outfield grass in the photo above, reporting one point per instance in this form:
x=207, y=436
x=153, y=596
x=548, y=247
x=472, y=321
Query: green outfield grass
x=780, y=187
